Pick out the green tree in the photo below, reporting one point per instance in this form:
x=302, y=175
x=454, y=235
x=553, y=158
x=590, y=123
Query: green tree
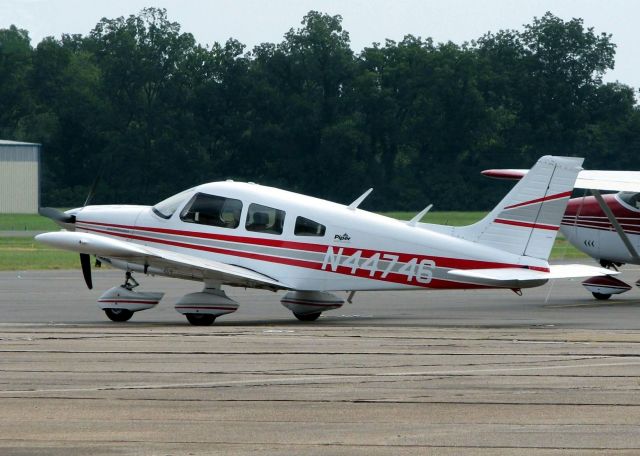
x=15, y=65
x=146, y=123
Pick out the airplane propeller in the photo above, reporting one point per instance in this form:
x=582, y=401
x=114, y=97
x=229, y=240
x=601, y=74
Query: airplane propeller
x=56, y=215
x=62, y=218
x=85, y=262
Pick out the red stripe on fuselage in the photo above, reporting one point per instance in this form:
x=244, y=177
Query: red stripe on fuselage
x=392, y=277
x=540, y=200
x=220, y=237
x=445, y=262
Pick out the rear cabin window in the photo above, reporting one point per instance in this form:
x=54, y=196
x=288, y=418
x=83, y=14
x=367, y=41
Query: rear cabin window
x=307, y=227
x=213, y=211
x=265, y=219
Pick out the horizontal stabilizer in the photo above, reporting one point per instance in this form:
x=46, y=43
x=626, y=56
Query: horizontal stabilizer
x=520, y=276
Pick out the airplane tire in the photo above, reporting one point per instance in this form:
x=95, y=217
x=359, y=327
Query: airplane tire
x=307, y=316
x=601, y=296
x=201, y=319
x=119, y=315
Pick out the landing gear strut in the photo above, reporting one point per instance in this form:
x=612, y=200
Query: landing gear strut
x=129, y=283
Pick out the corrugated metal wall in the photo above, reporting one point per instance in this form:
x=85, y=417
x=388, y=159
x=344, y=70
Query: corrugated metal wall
x=19, y=179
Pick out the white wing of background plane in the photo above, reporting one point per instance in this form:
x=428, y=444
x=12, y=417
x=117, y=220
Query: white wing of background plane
x=189, y=265
x=619, y=181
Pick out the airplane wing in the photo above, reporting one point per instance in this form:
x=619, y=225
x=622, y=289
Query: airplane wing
x=619, y=181
x=516, y=277
x=189, y=265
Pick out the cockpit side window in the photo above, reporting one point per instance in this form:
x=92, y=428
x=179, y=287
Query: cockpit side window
x=166, y=208
x=264, y=219
x=307, y=227
x=213, y=211
x=630, y=198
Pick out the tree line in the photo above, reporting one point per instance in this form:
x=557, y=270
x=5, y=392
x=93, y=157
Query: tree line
x=417, y=120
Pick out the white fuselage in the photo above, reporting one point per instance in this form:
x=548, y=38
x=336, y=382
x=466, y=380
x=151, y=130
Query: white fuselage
x=356, y=250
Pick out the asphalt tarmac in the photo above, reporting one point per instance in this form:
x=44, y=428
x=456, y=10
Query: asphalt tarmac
x=483, y=372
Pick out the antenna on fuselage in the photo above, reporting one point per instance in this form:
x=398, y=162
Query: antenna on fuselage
x=414, y=221
x=357, y=202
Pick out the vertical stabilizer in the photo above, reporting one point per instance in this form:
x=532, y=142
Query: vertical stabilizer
x=527, y=220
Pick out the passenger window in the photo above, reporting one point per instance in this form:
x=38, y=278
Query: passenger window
x=264, y=219
x=306, y=227
x=212, y=210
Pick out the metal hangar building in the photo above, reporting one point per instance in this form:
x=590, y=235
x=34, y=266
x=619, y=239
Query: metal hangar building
x=19, y=177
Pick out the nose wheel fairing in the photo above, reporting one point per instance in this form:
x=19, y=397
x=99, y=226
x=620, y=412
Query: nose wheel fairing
x=119, y=303
x=121, y=297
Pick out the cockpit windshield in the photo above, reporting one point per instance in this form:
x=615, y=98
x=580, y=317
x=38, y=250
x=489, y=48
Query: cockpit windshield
x=630, y=198
x=166, y=208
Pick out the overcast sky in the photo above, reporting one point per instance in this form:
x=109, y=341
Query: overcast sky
x=367, y=21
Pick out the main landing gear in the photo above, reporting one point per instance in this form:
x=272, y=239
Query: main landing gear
x=202, y=308
x=602, y=287
x=308, y=305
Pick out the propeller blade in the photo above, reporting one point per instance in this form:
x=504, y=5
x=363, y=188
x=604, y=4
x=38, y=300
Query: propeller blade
x=56, y=215
x=85, y=262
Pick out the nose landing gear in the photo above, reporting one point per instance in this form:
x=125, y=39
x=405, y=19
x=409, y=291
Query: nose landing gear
x=119, y=303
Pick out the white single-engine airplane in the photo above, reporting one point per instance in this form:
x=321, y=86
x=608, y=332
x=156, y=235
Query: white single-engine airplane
x=605, y=227
x=248, y=235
